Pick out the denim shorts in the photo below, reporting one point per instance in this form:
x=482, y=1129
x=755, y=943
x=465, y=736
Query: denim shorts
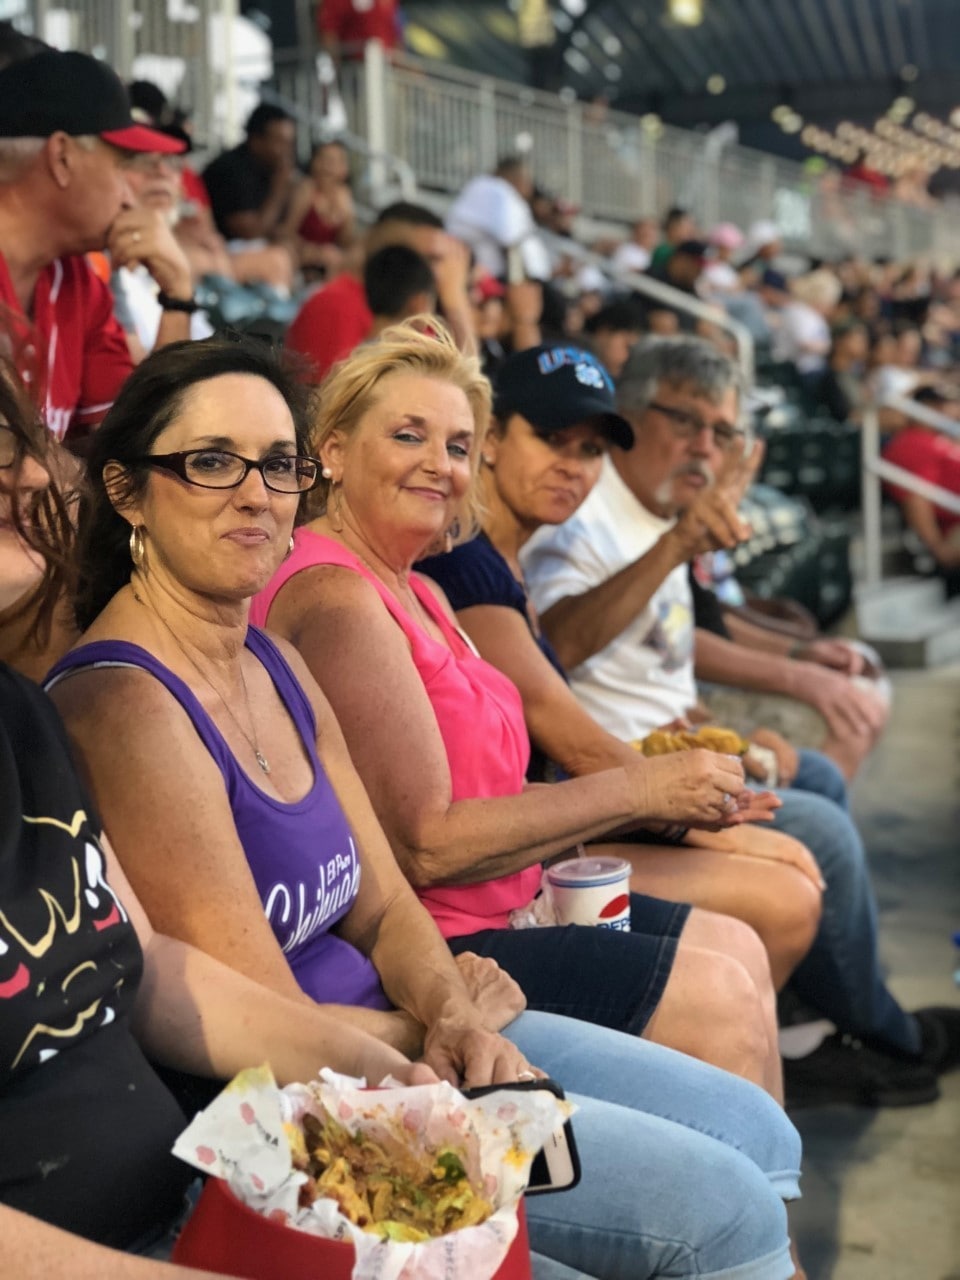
x=595, y=975
x=159, y=1241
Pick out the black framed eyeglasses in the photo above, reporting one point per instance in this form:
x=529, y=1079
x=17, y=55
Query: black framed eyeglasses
x=687, y=425
x=218, y=469
x=12, y=447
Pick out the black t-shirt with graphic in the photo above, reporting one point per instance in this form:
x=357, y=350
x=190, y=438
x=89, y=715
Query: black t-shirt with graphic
x=86, y=1126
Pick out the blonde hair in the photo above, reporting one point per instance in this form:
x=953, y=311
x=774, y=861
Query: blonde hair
x=422, y=345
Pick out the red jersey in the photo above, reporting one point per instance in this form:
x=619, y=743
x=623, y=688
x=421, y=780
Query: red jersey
x=194, y=187
x=72, y=355
x=330, y=324
x=354, y=22
x=933, y=457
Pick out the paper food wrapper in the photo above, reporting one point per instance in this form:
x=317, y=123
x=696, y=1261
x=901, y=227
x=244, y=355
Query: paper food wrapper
x=241, y=1138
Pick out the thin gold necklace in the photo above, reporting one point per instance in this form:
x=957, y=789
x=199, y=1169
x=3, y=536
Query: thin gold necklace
x=252, y=742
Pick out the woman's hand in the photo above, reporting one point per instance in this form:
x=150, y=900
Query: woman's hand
x=472, y=1056
x=697, y=788
x=412, y=1073
x=495, y=995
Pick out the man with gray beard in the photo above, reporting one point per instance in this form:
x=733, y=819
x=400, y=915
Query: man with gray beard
x=613, y=592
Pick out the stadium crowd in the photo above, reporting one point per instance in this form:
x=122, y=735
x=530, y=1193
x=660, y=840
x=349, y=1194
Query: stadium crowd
x=312, y=661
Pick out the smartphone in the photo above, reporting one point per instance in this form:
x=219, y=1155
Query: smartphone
x=556, y=1167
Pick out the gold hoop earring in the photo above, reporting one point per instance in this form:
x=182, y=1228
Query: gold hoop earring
x=137, y=545
x=336, y=515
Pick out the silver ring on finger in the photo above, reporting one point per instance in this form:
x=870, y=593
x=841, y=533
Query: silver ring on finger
x=526, y=1075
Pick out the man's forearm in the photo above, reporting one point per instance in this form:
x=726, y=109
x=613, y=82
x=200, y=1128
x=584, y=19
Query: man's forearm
x=580, y=626
x=722, y=661
x=756, y=637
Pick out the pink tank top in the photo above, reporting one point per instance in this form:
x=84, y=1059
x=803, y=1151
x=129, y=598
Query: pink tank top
x=479, y=714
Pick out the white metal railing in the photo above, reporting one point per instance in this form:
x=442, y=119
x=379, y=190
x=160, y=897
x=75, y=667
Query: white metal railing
x=876, y=469
x=674, y=299
x=451, y=124
x=448, y=124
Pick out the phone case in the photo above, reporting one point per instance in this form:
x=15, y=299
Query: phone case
x=539, y=1184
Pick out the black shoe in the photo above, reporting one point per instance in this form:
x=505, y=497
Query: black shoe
x=845, y=1070
x=940, y=1032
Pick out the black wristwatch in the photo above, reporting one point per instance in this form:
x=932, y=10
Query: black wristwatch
x=187, y=305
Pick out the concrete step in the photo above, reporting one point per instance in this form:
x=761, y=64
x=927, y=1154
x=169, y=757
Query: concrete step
x=909, y=622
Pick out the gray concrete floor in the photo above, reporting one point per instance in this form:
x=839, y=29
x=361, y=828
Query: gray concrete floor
x=882, y=1188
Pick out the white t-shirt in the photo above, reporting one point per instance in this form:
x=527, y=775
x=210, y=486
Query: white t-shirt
x=644, y=678
x=800, y=325
x=139, y=290
x=491, y=216
x=629, y=257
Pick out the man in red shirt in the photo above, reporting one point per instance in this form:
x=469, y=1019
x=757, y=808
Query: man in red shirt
x=935, y=457
x=336, y=318
x=345, y=26
x=66, y=134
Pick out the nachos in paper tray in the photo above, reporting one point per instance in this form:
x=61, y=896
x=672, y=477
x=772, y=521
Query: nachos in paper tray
x=416, y=1178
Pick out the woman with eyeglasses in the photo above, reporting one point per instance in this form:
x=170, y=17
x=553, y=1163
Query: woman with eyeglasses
x=224, y=780
x=540, y=459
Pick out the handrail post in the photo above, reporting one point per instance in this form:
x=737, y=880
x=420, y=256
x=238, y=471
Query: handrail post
x=375, y=92
x=872, y=529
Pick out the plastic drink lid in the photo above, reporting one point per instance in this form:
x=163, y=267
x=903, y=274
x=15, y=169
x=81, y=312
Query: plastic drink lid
x=588, y=871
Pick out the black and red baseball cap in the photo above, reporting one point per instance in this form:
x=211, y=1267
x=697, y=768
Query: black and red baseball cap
x=53, y=91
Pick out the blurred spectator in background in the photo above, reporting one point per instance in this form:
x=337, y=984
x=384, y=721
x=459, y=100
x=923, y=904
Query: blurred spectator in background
x=842, y=390
x=719, y=277
x=681, y=270
x=154, y=181
x=492, y=215
x=251, y=186
x=934, y=457
x=345, y=26
x=611, y=333
x=336, y=318
x=721, y=282
x=398, y=283
x=803, y=336
x=321, y=215
x=636, y=253
x=66, y=137
x=895, y=364
x=678, y=225
x=489, y=319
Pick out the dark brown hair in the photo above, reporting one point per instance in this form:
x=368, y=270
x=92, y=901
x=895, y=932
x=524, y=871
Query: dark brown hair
x=148, y=402
x=45, y=524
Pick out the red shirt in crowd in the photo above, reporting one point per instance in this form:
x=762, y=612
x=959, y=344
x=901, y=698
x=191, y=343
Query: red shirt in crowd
x=330, y=324
x=353, y=22
x=932, y=456
x=72, y=355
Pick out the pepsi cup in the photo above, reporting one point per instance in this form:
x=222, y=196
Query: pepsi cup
x=594, y=891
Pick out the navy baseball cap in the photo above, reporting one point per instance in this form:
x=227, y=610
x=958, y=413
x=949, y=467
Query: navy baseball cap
x=71, y=92
x=555, y=386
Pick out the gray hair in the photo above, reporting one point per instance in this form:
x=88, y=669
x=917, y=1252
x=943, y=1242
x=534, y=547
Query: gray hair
x=688, y=363
x=17, y=154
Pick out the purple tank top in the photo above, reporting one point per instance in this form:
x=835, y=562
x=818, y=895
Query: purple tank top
x=302, y=855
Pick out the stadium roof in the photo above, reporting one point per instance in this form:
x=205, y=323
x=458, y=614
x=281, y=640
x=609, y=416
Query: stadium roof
x=826, y=59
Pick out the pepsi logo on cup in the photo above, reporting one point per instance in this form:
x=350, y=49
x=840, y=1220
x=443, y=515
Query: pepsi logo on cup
x=591, y=891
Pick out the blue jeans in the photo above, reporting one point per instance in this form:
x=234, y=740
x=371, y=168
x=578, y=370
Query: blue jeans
x=840, y=976
x=685, y=1167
